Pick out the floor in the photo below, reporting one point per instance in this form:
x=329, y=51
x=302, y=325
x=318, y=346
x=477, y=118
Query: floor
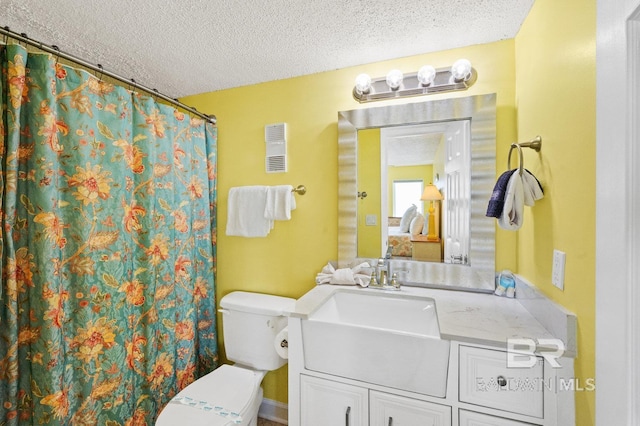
x=263, y=422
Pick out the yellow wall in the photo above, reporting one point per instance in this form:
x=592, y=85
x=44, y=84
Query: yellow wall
x=423, y=173
x=286, y=262
x=369, y=237
x=555, y=88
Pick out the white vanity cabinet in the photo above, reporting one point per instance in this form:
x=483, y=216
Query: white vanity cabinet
x=484, y=384
x=327, y=402
x=481, y=391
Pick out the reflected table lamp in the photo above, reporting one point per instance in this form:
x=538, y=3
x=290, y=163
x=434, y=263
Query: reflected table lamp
x=431, y=194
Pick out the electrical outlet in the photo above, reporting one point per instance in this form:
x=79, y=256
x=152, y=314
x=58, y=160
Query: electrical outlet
x=557, y=272
x=371, y=220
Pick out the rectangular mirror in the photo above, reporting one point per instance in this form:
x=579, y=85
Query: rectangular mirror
x=395, y=166
x=461, y=133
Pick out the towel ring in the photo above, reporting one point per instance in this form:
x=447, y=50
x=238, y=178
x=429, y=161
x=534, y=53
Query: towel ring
x=521, y=164
x=535, y=144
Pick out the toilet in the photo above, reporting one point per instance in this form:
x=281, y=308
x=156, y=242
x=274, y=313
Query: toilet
x=231, y=394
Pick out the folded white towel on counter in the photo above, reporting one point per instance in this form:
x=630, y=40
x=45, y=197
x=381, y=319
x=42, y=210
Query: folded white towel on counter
x=513, y=211
x=279, y=203
x=344, y=276
x=245, y=212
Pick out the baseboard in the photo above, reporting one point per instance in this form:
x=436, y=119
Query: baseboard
x=274, y=411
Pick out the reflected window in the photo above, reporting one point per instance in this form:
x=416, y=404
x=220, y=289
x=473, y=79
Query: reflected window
x=406, y=193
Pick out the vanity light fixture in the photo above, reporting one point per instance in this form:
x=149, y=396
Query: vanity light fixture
x=460, y=76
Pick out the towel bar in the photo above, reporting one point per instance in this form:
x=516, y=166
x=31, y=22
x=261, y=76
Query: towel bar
x=300, y=189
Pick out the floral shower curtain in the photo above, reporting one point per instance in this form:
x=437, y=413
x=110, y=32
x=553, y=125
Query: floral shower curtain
x=108, y=248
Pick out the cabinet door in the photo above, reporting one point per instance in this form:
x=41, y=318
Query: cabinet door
x=393, y=410
x=470, y=418
x=324, y=403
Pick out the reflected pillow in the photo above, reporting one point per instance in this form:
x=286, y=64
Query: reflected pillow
x=417, y=224
x=408, y=215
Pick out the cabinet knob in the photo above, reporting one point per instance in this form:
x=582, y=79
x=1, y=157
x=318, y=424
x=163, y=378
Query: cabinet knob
x=502, y=382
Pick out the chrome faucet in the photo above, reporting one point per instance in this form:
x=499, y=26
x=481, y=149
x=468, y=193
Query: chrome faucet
x=381, y=271
x=382, y=278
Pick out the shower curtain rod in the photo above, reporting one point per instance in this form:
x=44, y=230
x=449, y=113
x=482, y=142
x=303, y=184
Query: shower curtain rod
x=54, y=50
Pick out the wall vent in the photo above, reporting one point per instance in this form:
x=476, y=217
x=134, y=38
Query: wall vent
x=275, y=137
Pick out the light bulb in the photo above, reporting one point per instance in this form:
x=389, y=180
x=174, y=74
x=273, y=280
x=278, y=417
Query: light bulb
x=363, y=83
x=394, y=79
x=461, y=70
x=426, y=75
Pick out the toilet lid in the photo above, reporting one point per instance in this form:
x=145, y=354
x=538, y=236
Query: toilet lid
x=227, y=389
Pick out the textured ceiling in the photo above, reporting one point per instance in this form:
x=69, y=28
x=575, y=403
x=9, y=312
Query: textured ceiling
x=413, y=145
x=194, y=46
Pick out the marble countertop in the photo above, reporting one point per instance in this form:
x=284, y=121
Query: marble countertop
x=478, y=318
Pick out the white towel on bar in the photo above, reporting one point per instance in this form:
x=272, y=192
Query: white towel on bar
x=245, y=212
x=280, y=201
x=513, y=211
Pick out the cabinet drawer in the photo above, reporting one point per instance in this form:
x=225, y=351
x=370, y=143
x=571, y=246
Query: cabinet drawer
x=387, y=409
x=325, y=402
x=485, y=380
x=470, y=418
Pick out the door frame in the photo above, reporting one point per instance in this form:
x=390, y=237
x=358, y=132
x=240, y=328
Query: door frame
x=617, y=207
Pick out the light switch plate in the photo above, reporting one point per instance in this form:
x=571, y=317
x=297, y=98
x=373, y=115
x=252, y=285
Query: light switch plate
x=371, y=220
x=557, y=272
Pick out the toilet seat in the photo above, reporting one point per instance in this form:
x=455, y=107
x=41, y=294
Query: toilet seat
x=228, y=388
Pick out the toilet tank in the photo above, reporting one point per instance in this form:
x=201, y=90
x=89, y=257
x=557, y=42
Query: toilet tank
x=250, y=323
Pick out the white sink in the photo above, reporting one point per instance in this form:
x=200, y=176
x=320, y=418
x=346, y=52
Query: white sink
x=381, y=338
